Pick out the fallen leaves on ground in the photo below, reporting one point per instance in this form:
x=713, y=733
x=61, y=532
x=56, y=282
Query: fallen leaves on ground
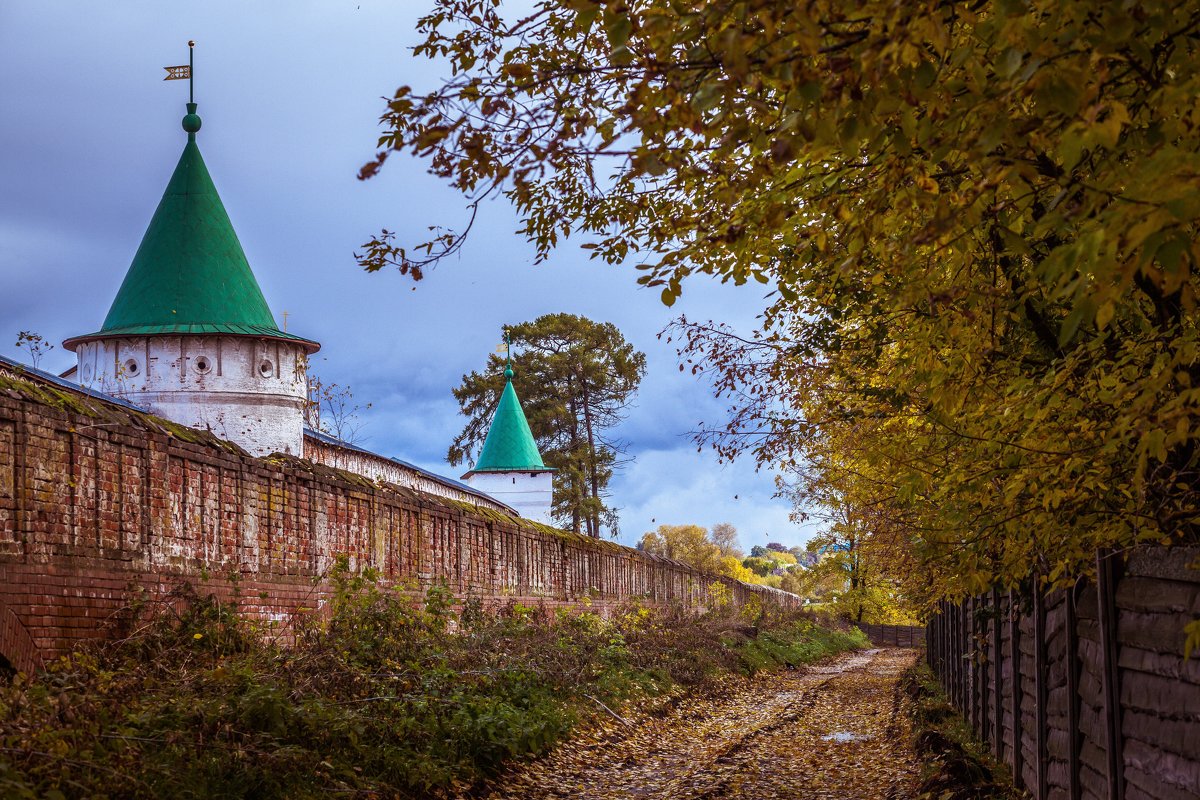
x=832, y=731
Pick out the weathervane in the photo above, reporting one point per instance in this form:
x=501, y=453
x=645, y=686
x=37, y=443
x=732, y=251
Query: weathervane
x=191, y=122
x=506, y=348
x=183, y=71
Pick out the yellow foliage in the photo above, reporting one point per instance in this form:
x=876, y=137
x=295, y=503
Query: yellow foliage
x=733, y=568
x=979, y=224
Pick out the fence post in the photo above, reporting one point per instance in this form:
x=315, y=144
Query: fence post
x=951, y=686
x=941, y=643
x=929, y=650
x=942, y=646
x=997, y=678
x=1014, y=641
x=1107, y=575
x=975, y=668
x=933, y=641
x=949, y=681
x=1039, y=691
x=930, y=643
x=1072, y=635
x=986, y=668
x=968, y=667
x=950, y=652
x=961, y=659
x=979, y=667
x=951, y=659
x=964, y=679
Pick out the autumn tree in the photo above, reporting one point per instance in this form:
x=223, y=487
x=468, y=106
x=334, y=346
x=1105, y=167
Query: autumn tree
x=773, y=554
x=575, y=378
x=725, y=536
x=686, y=543
x=852, y=578
x=978, y=225
x=759, y=566
x=694, y=545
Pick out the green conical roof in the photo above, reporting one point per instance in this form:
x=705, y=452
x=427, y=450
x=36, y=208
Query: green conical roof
x=190, y=274
x=509, y=446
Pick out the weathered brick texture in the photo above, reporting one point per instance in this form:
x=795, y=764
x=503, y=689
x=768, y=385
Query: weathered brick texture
x=97, y=500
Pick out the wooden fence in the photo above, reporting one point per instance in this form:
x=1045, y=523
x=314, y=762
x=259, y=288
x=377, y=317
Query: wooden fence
x=894, y=635
x=1086, y=693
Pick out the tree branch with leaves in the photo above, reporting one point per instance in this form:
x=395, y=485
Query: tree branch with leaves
x=977, y=224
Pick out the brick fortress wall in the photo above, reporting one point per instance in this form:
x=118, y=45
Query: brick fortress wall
x=98, y=499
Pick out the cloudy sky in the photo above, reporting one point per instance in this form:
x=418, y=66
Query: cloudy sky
x=290, y=97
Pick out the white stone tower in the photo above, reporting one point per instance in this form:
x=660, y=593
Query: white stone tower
x=510, y=468
x=189, y=336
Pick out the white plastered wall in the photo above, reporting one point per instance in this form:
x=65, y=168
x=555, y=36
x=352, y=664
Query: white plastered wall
x=530, y=493
x=247, y=390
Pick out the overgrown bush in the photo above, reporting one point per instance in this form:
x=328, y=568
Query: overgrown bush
x=955, y=766
x=386, y=696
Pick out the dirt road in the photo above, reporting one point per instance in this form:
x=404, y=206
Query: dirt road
x=837, y=730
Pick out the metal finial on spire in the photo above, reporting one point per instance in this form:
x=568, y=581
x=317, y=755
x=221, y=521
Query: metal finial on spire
x=508, y=370
x=191, y=122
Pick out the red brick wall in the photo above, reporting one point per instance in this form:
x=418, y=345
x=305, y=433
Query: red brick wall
x=97, y=500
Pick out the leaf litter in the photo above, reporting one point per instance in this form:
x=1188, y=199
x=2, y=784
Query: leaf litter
x=834, y=731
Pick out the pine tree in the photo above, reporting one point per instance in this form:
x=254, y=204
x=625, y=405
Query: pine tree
x=575, y=378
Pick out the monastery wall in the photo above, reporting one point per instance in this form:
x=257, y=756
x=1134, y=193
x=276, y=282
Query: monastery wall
x=99, y=501
x=331, y=453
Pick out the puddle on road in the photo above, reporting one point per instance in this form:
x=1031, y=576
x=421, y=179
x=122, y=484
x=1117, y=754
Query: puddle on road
x=844, y=736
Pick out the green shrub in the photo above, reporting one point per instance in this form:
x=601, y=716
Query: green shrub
x=795, y=644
